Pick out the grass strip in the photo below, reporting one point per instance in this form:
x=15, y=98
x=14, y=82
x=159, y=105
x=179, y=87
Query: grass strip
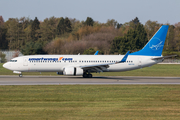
x=74, y=102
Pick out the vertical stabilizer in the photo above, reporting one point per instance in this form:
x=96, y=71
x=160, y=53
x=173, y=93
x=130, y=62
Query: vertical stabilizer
x=155, y=46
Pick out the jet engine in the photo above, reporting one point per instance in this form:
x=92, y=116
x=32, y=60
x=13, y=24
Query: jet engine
x=72, y=71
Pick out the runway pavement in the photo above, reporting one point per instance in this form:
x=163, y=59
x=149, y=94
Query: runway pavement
x=78, y=80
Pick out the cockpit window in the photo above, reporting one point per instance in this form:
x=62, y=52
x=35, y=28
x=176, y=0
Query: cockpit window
x=13, y=60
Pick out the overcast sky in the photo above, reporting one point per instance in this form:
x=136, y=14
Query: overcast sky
x=163, y=11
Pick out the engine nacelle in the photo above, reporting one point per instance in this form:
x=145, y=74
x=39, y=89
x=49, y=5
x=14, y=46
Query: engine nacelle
x=72, y=71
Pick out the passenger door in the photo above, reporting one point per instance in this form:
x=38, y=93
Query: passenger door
x=25, y=61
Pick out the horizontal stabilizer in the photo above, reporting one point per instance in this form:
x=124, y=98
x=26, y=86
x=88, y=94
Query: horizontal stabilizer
x=163, y=57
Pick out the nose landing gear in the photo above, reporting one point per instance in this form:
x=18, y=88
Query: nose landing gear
x=20, y=75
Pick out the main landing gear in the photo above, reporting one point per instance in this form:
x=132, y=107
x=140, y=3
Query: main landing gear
x=85, y=75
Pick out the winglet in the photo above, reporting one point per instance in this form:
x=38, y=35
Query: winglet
x=125, y=57
x=96, y=53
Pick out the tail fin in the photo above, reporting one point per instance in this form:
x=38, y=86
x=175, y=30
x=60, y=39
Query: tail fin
x=155, y=46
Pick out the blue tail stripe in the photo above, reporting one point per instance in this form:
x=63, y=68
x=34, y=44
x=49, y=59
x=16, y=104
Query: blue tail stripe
x=155, y=46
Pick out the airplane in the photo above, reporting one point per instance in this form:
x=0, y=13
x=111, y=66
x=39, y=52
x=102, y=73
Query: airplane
x=77, y=65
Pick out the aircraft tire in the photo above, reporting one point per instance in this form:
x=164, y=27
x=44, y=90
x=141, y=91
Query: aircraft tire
x=20, y=75
x=89, y=75
x=85, y=75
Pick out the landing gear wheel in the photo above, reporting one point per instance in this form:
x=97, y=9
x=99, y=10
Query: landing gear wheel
x=20, y=75
x=87, y=75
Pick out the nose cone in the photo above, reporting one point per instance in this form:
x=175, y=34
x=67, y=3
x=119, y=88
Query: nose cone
x=5, y=65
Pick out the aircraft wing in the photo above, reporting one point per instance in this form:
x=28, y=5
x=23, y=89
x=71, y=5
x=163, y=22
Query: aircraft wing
x=157, y=58
x=96, y=53
x=103, y=67
x=96, y=68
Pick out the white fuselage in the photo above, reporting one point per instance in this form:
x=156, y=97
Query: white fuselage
x=56, y=63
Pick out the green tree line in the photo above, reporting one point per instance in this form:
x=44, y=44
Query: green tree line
x=70, y=36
